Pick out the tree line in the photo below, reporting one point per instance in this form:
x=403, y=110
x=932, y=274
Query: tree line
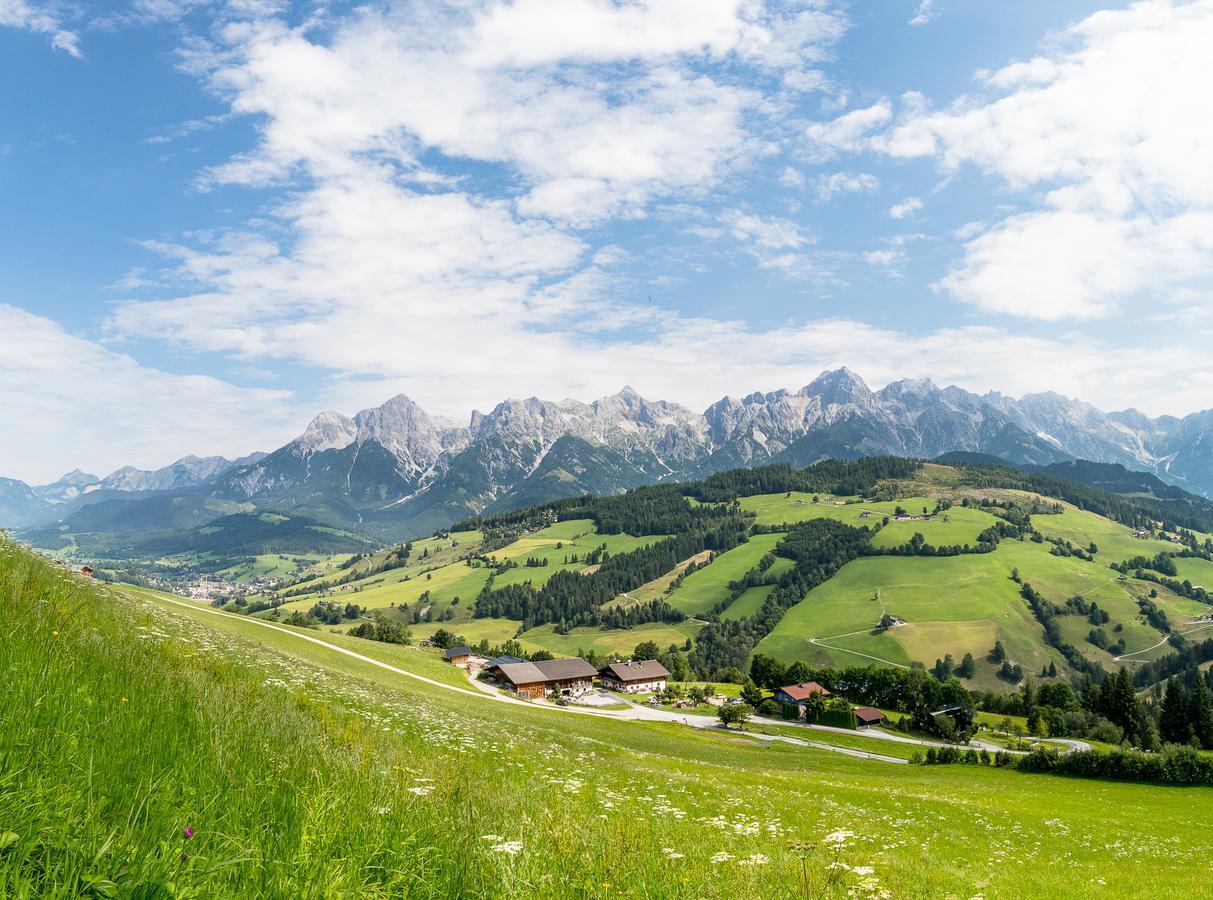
x=819, y=548
x=571, y=599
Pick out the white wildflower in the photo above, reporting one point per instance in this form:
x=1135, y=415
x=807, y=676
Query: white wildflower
x=510, y=847
x=722, y=856
x=838, y=838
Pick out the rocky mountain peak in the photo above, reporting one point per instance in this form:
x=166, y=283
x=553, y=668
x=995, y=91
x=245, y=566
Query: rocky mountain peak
x=328, y=431
x=839, y=387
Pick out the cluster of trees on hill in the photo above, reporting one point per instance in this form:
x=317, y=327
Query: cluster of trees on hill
x=1185, y=660
x=1184, y=511
x=1046, y=613
x=571, y=599
x=655, y=509
x=834, y=476
x=329, y=612
x=383, y=630
x=819, y=547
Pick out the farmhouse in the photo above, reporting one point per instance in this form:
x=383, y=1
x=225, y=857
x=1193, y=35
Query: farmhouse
x=86, y=571
x=868, y=716
x=459, y=656
x=798, y=694
x=634, y=677
x=534, y=680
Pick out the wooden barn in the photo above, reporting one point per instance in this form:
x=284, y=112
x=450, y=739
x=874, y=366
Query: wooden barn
x=534, y=680
x=868, y=716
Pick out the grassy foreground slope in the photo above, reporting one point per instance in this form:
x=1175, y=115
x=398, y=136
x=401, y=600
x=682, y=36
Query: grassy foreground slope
x=299, y=772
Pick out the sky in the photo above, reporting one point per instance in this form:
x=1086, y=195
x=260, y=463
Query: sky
x=220, y=218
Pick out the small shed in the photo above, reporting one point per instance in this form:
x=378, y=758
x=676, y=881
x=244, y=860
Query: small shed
x=459, y=656
x=868, y=716
x=86, y=571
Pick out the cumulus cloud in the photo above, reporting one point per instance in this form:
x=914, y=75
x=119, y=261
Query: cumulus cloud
x=1106, y=128
x=906, y=207
x=848, y=132
x=42, y=18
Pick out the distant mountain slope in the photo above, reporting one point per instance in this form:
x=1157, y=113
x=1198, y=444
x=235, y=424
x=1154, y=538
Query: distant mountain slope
x=185, y=472
x=255, y=533
x=20, y=503
x=394, y=471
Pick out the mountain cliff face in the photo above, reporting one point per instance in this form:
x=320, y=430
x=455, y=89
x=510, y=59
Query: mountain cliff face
x=394, y=469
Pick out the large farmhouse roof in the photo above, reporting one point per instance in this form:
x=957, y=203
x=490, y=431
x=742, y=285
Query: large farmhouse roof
x=649, y=670
x=565, y=669
x=501, y=661
x=546, y=670
x=521, y=673
x=804, y=690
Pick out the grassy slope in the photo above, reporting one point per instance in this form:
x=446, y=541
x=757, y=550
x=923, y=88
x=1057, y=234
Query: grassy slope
x=576, y=537
x=308, y=774
x=962, y=604
x=1115, y=541
x=1197, y=571
x=954, y=526
x=704, y=588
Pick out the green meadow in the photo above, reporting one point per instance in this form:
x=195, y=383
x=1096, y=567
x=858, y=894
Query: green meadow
x=704, y=588
x=1115, y=541
x=150, y=750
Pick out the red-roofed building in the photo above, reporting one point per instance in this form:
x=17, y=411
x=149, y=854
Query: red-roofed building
x=799, y=693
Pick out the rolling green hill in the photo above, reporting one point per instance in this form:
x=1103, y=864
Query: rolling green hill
x=946, y=551
x=150, y=747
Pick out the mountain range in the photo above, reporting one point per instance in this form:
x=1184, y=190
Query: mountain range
x=394, y=471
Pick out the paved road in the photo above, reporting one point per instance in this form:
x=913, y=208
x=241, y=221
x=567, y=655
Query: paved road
x=635, y=712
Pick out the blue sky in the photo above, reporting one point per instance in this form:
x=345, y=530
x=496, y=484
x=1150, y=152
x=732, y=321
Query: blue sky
x=223, y=217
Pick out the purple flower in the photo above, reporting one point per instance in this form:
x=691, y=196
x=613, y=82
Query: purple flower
x=187, y=832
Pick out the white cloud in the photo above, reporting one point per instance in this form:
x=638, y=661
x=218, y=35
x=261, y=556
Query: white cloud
x=595, y=105
x=906, y=207
x=846, y=183
x=1060, y=264
x=849, y=131
x=42, y=18
x=925, y=12
x=69, y=401
x=1107, y=128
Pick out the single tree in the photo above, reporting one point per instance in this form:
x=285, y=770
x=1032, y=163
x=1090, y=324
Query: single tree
x=734, y=714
